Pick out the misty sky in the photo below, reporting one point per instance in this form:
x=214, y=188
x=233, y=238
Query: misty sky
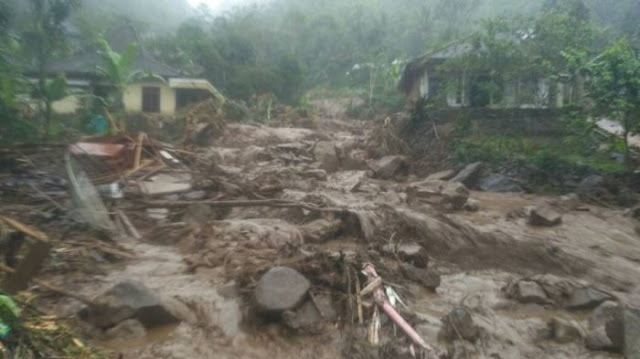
x=217, y=5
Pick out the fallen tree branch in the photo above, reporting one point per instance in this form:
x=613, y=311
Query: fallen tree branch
x=279, y=203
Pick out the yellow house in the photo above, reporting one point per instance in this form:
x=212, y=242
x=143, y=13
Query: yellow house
x=166, y=96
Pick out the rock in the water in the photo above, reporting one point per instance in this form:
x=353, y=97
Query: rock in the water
x=544, y=216
x=429, y=278
x=454, y=194
x=441, y=176
x=129, y=329
x=606, y=330
x=325, y=153
x=280, y=289
x=564, y=331
x=472, y=205
x=389, y=166
x=527, y=292
x=310, y=316
x=469, y=175
x=411, y=253
x=497, y=182
x=459, y=324
x=587, y=298
x=631, y=323
x=128, y=300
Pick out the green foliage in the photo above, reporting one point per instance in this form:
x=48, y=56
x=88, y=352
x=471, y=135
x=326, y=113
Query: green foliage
x=44, y=37
x=614, y=87
x=53, y=90
x=118, y=69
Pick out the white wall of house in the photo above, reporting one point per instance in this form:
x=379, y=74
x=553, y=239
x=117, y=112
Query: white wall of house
x=455, y=98
x=67, y=105
x=520, y=94
x=132, y=98
x=424, y=84
x=458, y=97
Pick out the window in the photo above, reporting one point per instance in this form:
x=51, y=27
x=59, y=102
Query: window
x=151, y=99
x=528, y=91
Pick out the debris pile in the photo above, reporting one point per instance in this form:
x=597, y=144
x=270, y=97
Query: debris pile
x=252, y=234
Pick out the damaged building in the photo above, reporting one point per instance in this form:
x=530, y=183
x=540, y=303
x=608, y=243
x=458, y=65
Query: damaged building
x=424, y=77
x=166, y=91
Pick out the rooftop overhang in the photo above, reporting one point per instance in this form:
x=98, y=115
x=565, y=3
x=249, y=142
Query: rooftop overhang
x=199, y=84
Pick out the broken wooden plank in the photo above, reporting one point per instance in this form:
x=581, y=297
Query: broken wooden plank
x=26, y=229
x=27, y=268
x=138, y=154
x=128, y=225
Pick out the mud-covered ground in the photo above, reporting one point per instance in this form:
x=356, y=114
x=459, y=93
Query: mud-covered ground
x=209, y=261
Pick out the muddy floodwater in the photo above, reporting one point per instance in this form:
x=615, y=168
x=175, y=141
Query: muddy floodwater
x=207, y=260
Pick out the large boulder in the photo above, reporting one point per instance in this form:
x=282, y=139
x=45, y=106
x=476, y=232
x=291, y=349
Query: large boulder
x=389, y=166
x=281, y=289
x=325, y=153
x=544, y=216
x=631, y=322
x=587, y=298
x=469, y=175
x=606, y=329
x=526, y=291
x=128, y=300
x=429, y=278
x=497, y=182
x=453, y=194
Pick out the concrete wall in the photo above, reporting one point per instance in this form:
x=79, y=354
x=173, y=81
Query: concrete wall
x=510, y=98
x=132, y=98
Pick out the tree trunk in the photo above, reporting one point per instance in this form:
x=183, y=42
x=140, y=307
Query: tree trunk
x=48, y=113
x=627, y=150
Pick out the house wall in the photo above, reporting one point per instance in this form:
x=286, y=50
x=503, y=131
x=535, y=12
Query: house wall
x=132, y=98
x=542, y=93
x=67, y=105
x=424, y=84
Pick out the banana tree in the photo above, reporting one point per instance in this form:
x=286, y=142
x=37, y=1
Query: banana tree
x=119, y=71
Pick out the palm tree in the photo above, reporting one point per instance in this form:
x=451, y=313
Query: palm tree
x=118, y=70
